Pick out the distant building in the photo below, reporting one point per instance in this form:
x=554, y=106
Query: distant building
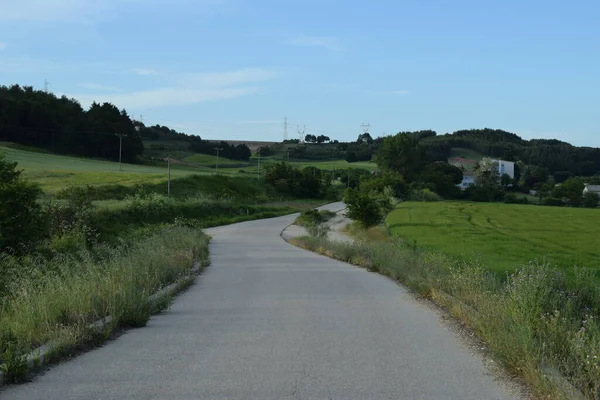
x=506, y=167
x=468, y=180
x=592, y=189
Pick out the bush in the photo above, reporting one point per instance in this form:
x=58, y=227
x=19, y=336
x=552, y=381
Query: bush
x=378, y=182
x=484, y=193
x=590, y=200
x=423, y=195
x=318, y=230
x=511, y=198
x=369, y=208
x=552, y=201
x=21, y=222
x=306, y=183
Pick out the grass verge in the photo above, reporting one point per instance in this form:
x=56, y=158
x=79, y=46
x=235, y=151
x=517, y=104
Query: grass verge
x=536, y=322
x=56, y=301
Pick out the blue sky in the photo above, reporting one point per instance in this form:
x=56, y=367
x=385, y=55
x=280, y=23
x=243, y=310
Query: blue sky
x=233, y=69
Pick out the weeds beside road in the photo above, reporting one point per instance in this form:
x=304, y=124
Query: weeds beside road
x=536, y=322
x=57, y=300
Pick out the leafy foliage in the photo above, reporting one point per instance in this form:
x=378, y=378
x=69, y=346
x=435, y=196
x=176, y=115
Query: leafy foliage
x=305, y=183
x=403, y=154
x=591, y=200
x=443, y=178
x=369, y=207
x=20, y=218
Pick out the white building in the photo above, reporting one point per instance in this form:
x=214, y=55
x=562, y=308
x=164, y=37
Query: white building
x=506, y=167
x=592, y=189
x=468, y=180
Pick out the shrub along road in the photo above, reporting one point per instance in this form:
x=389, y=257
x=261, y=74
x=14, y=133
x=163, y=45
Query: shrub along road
x=270, y=321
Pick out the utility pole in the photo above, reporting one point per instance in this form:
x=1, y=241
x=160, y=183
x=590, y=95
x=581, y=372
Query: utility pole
x=258, y=173
x=288, y=155
x=285, y=129
x=169, y=175
x=348, y=183
x=218, y=149
x=120, y=135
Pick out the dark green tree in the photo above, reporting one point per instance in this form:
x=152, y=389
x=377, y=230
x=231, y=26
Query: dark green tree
x=571, y=190
x=443, y=179
x=20, y=215
x=590, y=200
x=403, y=154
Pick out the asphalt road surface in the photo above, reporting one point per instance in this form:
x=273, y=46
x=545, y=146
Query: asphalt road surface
x=270, y=321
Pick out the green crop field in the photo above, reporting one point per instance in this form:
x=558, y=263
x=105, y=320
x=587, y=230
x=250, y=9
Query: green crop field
x=324, y=165
x=502, y=236
x=53, y=172
x=211, y=160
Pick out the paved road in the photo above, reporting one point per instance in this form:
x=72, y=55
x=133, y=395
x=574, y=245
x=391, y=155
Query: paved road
x=270, y=321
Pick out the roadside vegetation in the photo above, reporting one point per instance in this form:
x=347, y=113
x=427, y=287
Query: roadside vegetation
x=523, y=278
x=84, y=253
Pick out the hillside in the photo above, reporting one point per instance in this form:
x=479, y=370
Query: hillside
x=554, y=155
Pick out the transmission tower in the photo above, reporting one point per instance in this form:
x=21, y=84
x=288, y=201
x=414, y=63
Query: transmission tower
x=366, y=127
x=285, y=129
x=46, y=85
x=301, y=132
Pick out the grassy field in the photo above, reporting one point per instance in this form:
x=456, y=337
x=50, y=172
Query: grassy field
x=502, y=236
x=324, y=165
x=53, y=172
x=210, y=160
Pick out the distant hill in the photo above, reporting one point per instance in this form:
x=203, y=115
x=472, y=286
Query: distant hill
x=554, y=155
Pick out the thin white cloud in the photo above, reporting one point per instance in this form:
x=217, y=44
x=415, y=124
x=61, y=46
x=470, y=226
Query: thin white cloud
x=391, y=92
x=94, y=86
x=144, y=71
x=191, y=89
x=3, y=45
x=327, y=42
x=165, y=97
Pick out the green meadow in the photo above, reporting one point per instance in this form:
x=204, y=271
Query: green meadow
x=502, y=236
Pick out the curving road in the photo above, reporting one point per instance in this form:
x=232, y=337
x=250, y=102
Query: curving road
x=270, y=321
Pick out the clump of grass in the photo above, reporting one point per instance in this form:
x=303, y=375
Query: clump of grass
x=534, y=320
x=314, y=216
x=56, y=300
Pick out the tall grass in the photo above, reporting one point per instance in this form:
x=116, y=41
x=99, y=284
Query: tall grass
x=536, y=321
x=56, y=300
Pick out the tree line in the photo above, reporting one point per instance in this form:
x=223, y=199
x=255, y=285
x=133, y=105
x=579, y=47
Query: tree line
x=59, y=124
x=555, y=155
